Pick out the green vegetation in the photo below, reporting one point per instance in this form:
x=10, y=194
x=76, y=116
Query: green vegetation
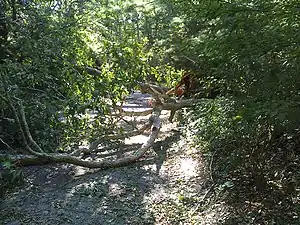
x=61, y=59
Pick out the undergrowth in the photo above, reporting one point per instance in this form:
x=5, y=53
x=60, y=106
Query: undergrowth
x=254, y=169
x=10, y=177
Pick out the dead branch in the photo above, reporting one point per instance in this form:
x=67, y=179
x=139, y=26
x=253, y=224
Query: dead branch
x=66, y=158
x=27, y=132
x=95, y=144
x=7, y=145
x=180, y=104
x=24, y=160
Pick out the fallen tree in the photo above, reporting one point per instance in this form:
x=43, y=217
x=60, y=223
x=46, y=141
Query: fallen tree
x=36, y=155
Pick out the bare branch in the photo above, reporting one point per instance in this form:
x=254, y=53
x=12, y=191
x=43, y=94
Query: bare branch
x=65, y=158
x=121, y=136
x=180, y=104
x=27, y=131
x=24, y=160
x=9, y=102
x=7, y=145
x=128, y=122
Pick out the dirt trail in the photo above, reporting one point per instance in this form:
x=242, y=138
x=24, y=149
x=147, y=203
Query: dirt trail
x=163, y=188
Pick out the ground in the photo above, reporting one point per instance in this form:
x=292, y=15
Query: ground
x=165, y=187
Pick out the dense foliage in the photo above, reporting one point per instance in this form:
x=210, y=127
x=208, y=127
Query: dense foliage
x=63, y=58
x=250, y=52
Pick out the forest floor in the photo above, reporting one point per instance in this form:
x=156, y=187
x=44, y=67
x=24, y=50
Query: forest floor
x=166, y=187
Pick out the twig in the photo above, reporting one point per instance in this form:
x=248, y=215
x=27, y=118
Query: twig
x=27, y=131
x=211, y=164
x=126, y=121
x=94, y=145
x=212, y=186
x=8, y=101
x=7, y=145
x=189, y=59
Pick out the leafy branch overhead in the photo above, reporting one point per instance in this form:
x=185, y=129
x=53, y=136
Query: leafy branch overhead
x=38, y=155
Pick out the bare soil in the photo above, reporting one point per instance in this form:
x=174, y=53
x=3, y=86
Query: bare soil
x=165, y=187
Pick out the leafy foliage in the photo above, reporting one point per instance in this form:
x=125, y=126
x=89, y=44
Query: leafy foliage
x=10, y=177
x=247, y=50
x=64, y=61
x=50, y=52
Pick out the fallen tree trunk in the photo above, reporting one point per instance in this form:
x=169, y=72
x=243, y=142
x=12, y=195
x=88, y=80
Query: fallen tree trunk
x=24, y=160
x=121, y=136
x=38, y=156
x=41, y=157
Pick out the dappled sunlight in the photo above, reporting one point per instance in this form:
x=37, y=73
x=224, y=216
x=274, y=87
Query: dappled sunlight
x=160, y=194
x=151, y=167
x=88, y=188
x=214, y=214
x=139, y=139
x=114, y=189
x=188, y=167
x=79, y=171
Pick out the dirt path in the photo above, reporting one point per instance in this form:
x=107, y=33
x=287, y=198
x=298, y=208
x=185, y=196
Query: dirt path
x=164, y=188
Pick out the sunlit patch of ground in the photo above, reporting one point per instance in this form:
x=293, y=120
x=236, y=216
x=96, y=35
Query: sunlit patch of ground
x=176, y=201
x=188, y=167
x=79, y=171
x=164, y=190
x=138, y=139
x=165, y=127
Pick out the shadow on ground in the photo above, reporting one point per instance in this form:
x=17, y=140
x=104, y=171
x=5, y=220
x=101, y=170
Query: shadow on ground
x=64, y=194
x=277, y=202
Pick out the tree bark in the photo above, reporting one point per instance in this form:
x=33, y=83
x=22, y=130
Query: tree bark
x=38, y=156
x=42, y=157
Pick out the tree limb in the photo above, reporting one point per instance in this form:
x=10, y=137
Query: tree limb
x=94, y=144
x=24, y=160
x=180, y=104
x=9, y=102
x=7, y=145
x=42, y=157
x=27, y=132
